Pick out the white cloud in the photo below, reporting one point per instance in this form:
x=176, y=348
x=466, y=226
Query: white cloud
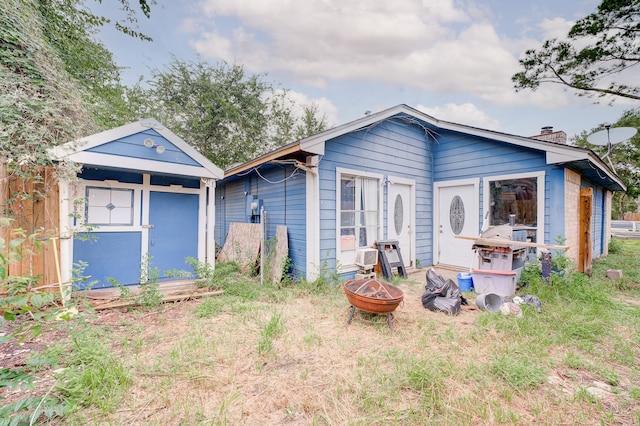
x=325, y=106
x=441, y=46
x=466, y=113
x=555, y=28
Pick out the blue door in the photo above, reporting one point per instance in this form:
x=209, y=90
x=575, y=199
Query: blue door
x=173, y=235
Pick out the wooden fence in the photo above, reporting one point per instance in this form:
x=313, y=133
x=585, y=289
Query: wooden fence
x=34, y=208
x=632, y=216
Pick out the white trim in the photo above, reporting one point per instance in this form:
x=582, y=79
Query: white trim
x=202, y=223
x=412, y=189
x=540, y=178
x=66, y=225
x=144, y=215
x=74, y=149
x=313, y=225
x=556, y=153
x=359, y=173
x=138, y=164
x=210, y=249
x=436, y=211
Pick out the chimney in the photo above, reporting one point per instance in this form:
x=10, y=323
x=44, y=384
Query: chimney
x=547, y=134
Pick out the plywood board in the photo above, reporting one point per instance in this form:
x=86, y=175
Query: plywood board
x=510, y=242
x=242, y=245
x=280, y=254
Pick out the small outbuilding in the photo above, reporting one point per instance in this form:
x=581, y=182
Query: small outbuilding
x=141, y=205
x=402, y=175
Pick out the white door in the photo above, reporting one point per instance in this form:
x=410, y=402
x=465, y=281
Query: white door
x=457, y=214
x=400, y=218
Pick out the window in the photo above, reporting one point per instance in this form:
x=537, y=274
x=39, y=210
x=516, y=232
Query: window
x=514, y=200
x=359, y=214
x=105, y=206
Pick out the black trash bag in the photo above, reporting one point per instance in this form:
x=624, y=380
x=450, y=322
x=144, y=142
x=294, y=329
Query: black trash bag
x=442, y=295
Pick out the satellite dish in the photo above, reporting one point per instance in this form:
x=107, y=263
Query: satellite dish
x=611, y=135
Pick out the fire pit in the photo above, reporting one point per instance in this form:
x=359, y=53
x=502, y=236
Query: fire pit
x=373, y=296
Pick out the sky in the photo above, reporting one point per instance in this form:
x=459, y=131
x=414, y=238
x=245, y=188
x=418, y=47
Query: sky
x=452, y=59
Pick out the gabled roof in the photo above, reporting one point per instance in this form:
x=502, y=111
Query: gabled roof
x=583, y=160
x=183, y=160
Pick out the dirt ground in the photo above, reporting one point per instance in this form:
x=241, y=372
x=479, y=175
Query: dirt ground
x=189, y=370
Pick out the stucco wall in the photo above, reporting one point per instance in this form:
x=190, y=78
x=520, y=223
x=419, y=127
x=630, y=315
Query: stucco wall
x=572, y=212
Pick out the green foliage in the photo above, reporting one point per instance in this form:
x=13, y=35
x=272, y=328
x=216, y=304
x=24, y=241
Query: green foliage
x=27, y=410
x=615, y=246
x=92, y=375
x=600, y=45
x=224, y=275
x=227, y=115
x=203, y=270
x=626, y=160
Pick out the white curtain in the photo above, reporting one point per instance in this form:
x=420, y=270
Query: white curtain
x=367, y=192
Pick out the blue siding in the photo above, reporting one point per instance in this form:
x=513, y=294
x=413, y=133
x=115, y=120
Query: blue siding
x=174, y=235
x=402, y=148
x=282, y=190
x=91, y=173
x=461, y=156
x=175, y=180
x=133, y=146
x=597, y=218
x=109, y=255
x=554, y=215
x=390, y=148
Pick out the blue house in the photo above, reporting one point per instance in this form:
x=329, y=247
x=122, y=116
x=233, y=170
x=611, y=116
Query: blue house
x=403, y=175
x=143, y=200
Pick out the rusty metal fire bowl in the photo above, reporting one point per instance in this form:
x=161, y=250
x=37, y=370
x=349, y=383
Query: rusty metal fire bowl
x=374, y=296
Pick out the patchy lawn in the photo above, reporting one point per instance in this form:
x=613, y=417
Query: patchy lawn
x=271, y=356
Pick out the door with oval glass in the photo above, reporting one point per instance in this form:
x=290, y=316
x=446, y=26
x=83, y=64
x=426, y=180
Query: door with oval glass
x=457, y=207
x=400, y=217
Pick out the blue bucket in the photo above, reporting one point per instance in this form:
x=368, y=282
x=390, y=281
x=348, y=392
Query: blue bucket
x=465, y=281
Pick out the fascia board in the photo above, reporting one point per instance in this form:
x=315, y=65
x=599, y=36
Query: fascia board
x=315, y=144
x=106, y=160
x=554, y=157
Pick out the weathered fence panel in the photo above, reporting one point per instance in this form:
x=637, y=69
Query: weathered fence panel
x=34, y=208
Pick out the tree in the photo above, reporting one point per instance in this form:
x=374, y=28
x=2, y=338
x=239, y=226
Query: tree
x=625, y=158
x=227, y=115
x=602, y=45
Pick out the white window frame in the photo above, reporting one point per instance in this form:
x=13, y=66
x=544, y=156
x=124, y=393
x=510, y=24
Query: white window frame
x=131, y=207
x=540, y=178
x=346, y=258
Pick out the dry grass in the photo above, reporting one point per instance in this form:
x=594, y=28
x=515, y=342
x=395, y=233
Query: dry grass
x=435, y=369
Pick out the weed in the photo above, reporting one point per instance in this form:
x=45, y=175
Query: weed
x=272, y=329
x=203, y=270
x=520, y=372
x=615, y=246
x=210, y=307
x=92, y=376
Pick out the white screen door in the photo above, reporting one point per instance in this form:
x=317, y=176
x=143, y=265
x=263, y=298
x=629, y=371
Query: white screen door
x=399, y=219
x=457, y=206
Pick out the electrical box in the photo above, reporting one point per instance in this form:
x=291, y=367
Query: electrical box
x=254, y=205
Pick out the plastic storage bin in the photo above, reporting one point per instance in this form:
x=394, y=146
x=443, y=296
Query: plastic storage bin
x=502, y=283
x=465, y=282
